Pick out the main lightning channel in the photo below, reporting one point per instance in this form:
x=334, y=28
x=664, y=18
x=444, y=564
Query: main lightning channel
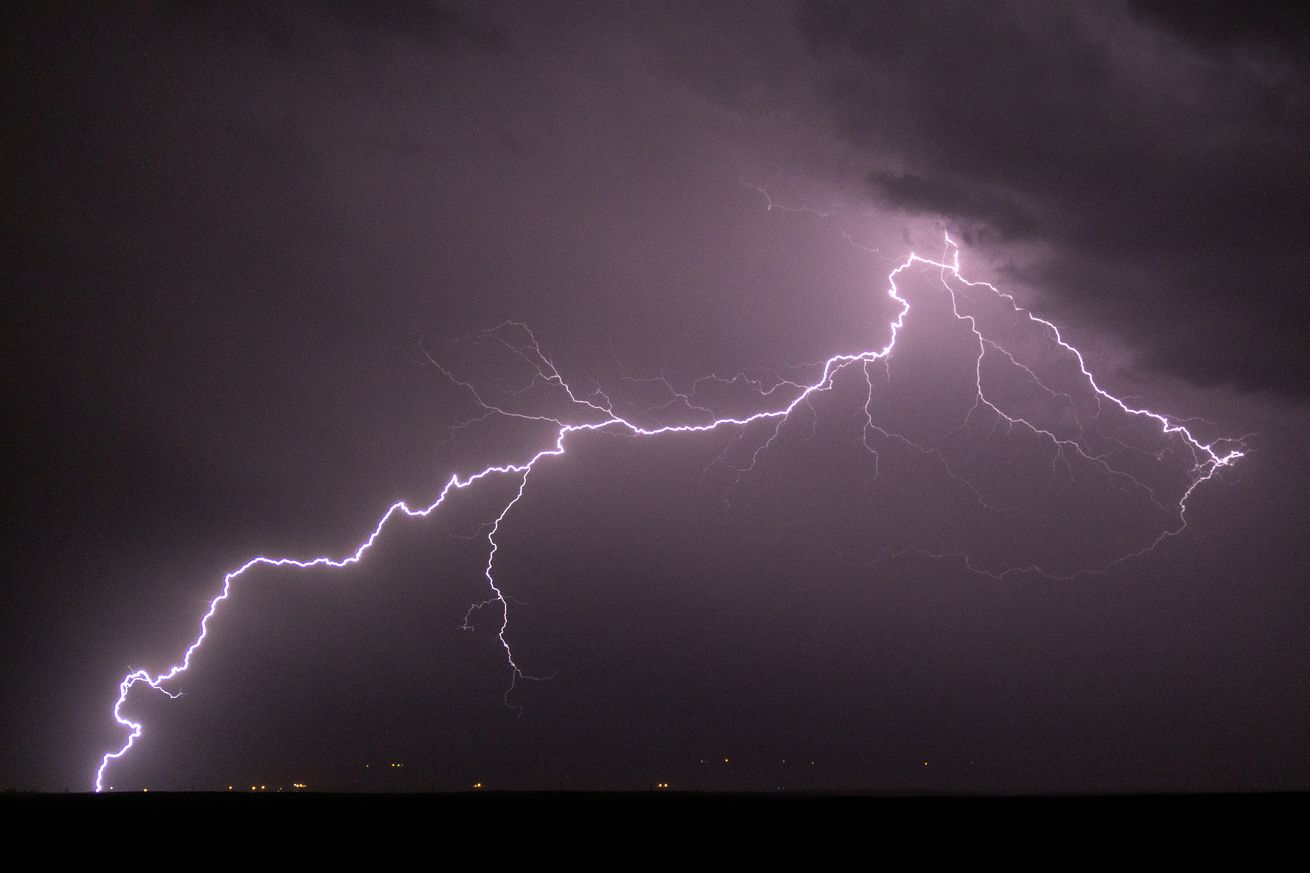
x=600, y=416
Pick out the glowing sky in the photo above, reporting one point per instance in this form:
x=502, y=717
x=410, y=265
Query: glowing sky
x=243, y=243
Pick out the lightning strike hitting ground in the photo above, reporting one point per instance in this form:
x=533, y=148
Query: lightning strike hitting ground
x=595, y=413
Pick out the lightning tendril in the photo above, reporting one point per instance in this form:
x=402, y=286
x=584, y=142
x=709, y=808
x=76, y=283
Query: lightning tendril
x=594, y=412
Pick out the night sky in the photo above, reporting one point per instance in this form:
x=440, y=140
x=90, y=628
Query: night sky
x=251, y=255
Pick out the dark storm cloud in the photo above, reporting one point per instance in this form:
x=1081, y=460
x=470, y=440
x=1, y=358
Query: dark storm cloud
x=963, y=201
x=1157, y=153
x=1280, y=26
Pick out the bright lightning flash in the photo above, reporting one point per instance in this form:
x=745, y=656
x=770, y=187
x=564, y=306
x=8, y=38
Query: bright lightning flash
x=595, y=413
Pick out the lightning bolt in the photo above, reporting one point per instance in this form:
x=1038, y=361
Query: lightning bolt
x=594, y=412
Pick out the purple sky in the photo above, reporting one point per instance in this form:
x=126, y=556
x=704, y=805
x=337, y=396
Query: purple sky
x=234, y=239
